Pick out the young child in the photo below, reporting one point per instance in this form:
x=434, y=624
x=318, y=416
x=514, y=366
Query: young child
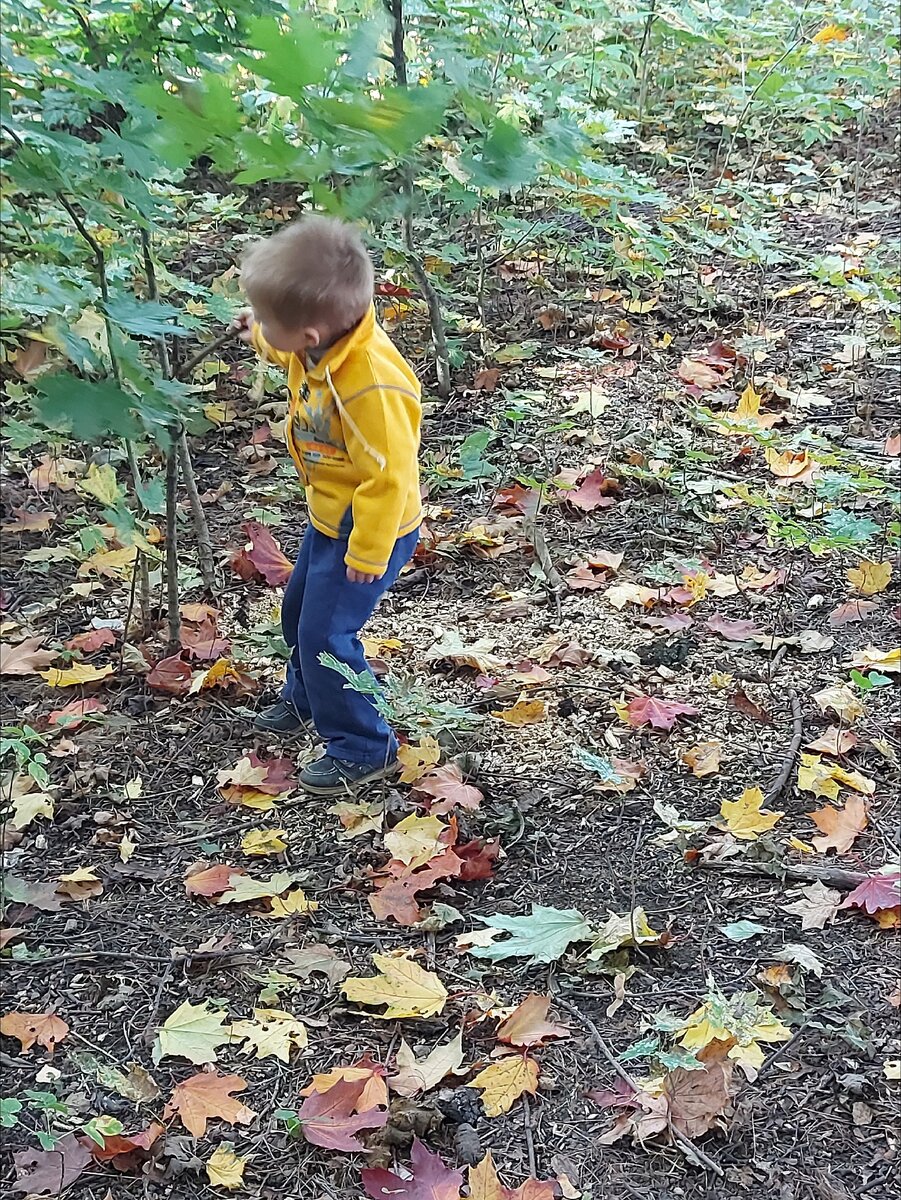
x=353, y=432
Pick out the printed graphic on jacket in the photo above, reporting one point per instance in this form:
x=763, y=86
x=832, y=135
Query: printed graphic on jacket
x=316, y=430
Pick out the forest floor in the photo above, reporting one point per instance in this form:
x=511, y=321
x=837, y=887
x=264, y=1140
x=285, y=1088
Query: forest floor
x=816, y=1123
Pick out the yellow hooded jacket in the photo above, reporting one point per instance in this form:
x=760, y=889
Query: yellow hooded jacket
x=353, y=432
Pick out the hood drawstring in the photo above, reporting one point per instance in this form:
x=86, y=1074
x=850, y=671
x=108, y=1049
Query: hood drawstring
x=352, y=425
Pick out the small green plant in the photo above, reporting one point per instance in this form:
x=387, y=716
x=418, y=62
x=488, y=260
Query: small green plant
x=17, y=743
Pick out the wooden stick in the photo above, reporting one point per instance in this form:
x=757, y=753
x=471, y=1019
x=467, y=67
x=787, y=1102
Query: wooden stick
x=774, y=791
x=832, y=876
x=692, y=1152
x=185, y=370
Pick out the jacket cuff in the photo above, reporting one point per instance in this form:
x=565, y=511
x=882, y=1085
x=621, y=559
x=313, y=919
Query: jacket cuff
x=366, y=565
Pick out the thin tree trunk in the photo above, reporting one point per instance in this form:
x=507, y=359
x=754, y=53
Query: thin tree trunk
x=205, y=555
x=172, y=545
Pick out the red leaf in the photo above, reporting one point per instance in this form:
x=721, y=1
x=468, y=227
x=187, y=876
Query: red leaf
x=91, y=641
x=170, y=675
x=733, y=631
x=518, y=498
x=431, y=1179
x=71, y=715
x=718, y=354
x=486, y=380
x=673, y=622
x=264, y=560
x=50, y=1172
x=392, y=289
x=595, y=491
x=328, y=1120
x=202, y=642
x=700, y=374
x=875, y=894
x=570, y=655
x=211, y=881
x=749, y=707
x=582, y=577
x=116, y=1146
x=852, y=611
x=479, y=858
x=445, y=785
x=661, y=714
x=396, y=897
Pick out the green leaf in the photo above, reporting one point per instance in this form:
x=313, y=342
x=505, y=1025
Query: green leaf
x=88, y=409
x=647, y=1045
x=291, y=59
x=145, y=318
x=506, y=160
x=542, y=937
x=678, y=1058
x=740, y=931
x=9, y=1108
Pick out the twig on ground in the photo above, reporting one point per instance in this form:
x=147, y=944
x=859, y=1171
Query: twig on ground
x=692, y=1152
x=774, y=791
x=831, y=876
x=530, y=1139
x=185, y=369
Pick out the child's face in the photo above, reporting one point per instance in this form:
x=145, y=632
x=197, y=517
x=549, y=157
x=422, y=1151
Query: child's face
x=294, y=341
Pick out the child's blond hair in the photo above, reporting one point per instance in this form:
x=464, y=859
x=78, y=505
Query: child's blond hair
x=314, y=271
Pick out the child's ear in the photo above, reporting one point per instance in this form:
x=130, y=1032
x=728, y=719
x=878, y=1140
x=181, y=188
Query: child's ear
x=312, y=338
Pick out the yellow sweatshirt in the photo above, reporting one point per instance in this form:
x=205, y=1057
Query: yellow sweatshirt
x=353, y=432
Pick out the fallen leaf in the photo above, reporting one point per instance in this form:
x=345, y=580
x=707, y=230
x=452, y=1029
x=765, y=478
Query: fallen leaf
x=245, y=889
x=486, y=380
x=484, y=1184
x=789, y=466
x=699, y=1099
x=170, y=675
x=401, y=985
x=450, y=648
x=830, y=33
x=320, y=959
x=703, y=759
x=745, y=817
x=27, y=803
x=672, y=622
x=420, y=1075
x=271, y=1033
x=835, y=741
x=358, y=818
x=870, y=578
x=110, y=564
x=91, y=641
x=542, y=937
x=416, y=840
x=76, y=675
x=840, y=825
x=226, y=676
x=749, y=707
x=595, y=491
x=853, y=611
x=208, y=1094
x=209, y=881
x=417, y=759
x=523, y=712
x=225, y=1169
x=51, y=1172
x=504, y=1081
x=44, y=1029
x=633, y=929
x=801, y=956
x=876, y=894
x=261, y=558
x=371, y=1074
x=621, y=594
x=699, y=374
x=871, y=657
x=823, y=778
x=734, y=631
x=80, y=884
x=446, y=790
x=259, y=842
x=842, y=700
x=528, y=1024
x=395, y=897
x=29, y=522
x=583, y=578
x=73, y=714
x=430, y=1179
x=660, y=714
x=201, y=640
x=26, y=658
x=192, y=1031
x=328, y=1118
x=817, y=906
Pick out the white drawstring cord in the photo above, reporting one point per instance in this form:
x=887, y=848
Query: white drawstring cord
x=352, y=425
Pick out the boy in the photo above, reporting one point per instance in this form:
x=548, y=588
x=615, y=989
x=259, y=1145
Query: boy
x=353, y=433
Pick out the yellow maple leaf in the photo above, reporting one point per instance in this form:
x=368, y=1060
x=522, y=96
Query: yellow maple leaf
x=192, y=1031
x=417, y=759
x=787, y=464
x=264, y=841
x=100, y=482
x=745, y=818
x=401, y=985
x=415, y=840
x=523, y=712
x=225, y=1169
x=77, y=674
x=114, y=564
x=358, y=818
x=294, y=904
x=504, y=1081
x=842, y=700
x=830, y=33
x=870, y=578
x=272, y=1033
x=823, y=778
x=882, y=660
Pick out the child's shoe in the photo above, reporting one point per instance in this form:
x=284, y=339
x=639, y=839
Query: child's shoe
x=282, y=717
x=329, y=776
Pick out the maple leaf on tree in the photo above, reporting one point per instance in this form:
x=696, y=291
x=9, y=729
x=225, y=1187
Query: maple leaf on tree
x=876, y=894
x=205, y=1095
x=329, y=1119
x=430, y=1179
x=659, y=714
x=261, y=558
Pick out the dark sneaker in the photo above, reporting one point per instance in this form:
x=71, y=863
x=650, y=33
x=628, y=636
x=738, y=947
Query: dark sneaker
x=329, y=776
x=281, y=717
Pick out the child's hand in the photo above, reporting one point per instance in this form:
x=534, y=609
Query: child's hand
x=242, y=324
x=356, y=576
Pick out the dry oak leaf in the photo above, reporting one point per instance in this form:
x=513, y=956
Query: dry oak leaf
x=430, y=1179
x=77, y=674
x=870, y=578
x=523, y=712
x=402, y=985
x=272, y=1032
x=208, y=1094
x=660, y=714
x=484, y=1184
x=416, y=840
x=842, y=700
x=839, y=825
x=504, y=1081
x=528, y=1024
x=834, y=740
x=446, y=790
x=420, y=1075
x=745, y=817
x=416, y=760
x=44, y=1029
x=703, y=759
x=371, y=1074
x=225, y=1169
x=330, y=1119
x=26, y=658
x=80, y=884
x=51, y=1172
x=193, y=1032
x=816, y=907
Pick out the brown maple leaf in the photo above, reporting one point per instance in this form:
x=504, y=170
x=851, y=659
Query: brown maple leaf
x=46, y=1029
x=840, y=825
x=208, y=1094
x=528, y=1025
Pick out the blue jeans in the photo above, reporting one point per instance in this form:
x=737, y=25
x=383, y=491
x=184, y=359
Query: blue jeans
x=323, y=611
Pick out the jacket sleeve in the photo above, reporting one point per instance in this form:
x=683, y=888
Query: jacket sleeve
x=382, y=439
x=280, y=358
